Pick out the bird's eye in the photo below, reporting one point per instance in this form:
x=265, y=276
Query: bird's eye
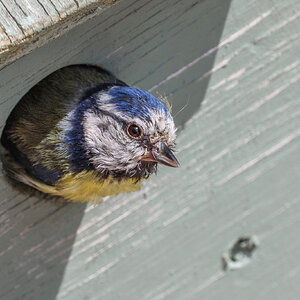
x=134, y=131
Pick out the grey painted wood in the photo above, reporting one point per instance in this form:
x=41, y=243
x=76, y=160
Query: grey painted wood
x=27, y=24
x=234, y=69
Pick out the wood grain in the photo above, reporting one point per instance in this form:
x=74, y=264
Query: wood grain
x=28, y=24
x=231, y=70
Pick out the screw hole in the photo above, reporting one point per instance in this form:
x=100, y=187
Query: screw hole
x=240, y=253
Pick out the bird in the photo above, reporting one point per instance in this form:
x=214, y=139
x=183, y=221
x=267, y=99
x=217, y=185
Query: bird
x=83, y=134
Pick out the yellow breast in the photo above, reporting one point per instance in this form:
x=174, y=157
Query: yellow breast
x=88, y=187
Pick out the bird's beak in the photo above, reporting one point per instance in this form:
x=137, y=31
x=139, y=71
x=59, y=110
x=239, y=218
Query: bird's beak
x=162, y=154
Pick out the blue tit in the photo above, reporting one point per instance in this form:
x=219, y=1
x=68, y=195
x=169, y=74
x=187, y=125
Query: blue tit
x=83, y=134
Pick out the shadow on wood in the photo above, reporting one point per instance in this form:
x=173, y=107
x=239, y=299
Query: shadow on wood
x=37, y=236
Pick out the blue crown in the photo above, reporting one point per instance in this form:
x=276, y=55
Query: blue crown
x=136, y=102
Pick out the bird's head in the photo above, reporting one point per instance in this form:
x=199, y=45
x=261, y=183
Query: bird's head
x=127, y=132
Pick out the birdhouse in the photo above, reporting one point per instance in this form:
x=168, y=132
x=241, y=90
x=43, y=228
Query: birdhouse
x=221, y=226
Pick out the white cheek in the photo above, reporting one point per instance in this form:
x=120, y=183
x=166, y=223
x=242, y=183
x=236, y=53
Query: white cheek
x=110, y=147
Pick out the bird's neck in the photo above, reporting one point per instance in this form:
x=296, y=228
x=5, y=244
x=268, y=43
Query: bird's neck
x=74, y=136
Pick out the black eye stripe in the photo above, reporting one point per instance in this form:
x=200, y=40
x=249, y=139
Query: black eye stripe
x=116, y=118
